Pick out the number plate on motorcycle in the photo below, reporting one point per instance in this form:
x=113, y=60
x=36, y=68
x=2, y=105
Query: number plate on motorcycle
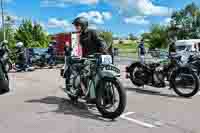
x=106, y=59
x=112, y=68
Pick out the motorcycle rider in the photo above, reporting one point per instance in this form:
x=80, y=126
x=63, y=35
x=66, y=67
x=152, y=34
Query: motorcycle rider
x=21, y=57
x=172, y=47
x=90, y=41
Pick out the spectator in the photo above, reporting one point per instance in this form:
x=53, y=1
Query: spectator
x=141, y=51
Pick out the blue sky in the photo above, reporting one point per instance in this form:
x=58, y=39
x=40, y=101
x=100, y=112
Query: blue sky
x=119, y=16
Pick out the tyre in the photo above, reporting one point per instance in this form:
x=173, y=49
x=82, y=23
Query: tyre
x=106, y=98
x=70, y=94
x=184, y=82
x=133, y=69
x=4, y=81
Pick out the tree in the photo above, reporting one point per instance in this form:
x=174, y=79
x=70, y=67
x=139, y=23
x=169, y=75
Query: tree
x=107, y=36
x=9, y=32
x=186, y=23
x=157, y=37
x=32, y=35
x=132, y=37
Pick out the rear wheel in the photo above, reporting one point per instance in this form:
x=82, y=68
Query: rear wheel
x=185, y=82
x=136, y=70
x=107, y=93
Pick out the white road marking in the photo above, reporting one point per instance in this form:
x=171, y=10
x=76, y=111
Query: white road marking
x=199, y=93
x=125, y=116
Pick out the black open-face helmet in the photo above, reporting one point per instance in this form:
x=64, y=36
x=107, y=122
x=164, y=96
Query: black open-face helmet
x=82, y=21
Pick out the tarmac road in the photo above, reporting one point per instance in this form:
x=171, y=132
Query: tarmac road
x=37, y=104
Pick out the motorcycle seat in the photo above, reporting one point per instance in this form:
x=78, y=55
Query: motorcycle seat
x=76, y=60
x=154, y=65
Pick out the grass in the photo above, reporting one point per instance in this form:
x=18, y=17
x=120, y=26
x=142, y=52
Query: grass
x=130, y=45
x=128, y=49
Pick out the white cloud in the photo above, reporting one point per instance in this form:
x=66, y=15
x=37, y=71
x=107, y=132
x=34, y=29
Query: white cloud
x=144, y=7
x=127, y=7
x=107, y=15
x=56, y=23
x=64, y=3
x=140, y=20
x=93, y=26
x=42, y=24
x=96, y=17
x=15, y=18
x=167, y=21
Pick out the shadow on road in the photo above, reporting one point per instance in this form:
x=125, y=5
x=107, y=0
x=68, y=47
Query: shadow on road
x=150, y=92
x=68, y=107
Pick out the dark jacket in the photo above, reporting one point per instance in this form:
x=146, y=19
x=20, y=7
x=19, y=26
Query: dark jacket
x=92, y=43
x=141, y=49
x=50, y=50
x=172, y=48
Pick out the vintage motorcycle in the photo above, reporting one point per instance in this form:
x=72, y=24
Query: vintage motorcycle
x=42, y=60
x=5, y=66
x=95, y=78
x=181, y=77
x=194, y=61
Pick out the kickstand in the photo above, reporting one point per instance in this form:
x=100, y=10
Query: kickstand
x=143, y=87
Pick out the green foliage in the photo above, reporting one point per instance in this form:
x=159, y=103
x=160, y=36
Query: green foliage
x=32, y=35
x=131, y=45
x=132, y=37
x=157, y=38
x=185, y=23
x=107, y=36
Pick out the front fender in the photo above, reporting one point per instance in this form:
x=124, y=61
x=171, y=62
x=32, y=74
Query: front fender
x=184, y=69
x=109, y=74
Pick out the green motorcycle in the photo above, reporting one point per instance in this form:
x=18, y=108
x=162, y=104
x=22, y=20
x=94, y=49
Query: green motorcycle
x=95, y=78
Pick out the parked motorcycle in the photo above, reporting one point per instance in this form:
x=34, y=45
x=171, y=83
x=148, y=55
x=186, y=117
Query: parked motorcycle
x=194, y=61
x=95, y=78
x=182, y=78
x=5, y=65
x=42, y=60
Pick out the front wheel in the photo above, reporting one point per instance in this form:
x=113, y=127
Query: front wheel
x=107, y=102
x=185, y=82
x=4, y=81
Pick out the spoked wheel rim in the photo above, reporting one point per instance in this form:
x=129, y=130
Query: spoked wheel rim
x=70, y=88
x=185, y=83
x=110, y=97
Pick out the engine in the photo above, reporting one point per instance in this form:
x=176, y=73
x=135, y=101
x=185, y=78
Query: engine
x=142, y=75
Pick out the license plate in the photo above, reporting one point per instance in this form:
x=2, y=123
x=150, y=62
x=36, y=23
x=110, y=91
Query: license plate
x=106, y=59
x=112, y=68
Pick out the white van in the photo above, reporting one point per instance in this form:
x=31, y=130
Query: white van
x=192, y=45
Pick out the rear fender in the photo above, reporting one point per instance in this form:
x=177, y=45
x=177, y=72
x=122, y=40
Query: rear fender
x=131, y=66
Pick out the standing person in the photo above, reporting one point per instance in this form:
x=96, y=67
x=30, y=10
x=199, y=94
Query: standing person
x=172, y=48
x=51, y=52
x=141, y=51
